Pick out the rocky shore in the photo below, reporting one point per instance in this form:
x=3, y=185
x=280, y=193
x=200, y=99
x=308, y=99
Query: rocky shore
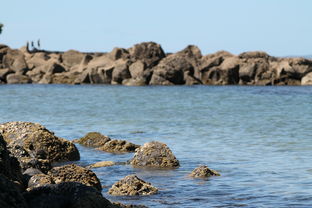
x=31, y=175
x=147, y=64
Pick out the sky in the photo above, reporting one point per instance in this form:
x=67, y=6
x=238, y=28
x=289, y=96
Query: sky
x=279, y=27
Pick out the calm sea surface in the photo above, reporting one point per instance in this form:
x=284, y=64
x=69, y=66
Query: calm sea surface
x=258, y=138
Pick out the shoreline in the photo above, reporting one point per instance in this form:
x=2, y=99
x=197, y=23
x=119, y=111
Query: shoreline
x=147, y=64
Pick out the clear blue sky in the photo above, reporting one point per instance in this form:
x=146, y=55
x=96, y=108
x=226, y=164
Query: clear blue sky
x=279, y=27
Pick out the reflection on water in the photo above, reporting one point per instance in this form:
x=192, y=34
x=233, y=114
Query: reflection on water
x=258, y=138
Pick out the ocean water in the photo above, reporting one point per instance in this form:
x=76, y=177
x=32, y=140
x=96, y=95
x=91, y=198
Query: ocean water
x=258, y=138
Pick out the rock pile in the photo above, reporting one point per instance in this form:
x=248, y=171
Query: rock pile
x=147, y=64
x=203, y=172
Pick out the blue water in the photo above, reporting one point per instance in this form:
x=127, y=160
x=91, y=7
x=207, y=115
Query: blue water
x=258, y=138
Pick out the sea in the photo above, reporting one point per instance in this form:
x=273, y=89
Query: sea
x=258, y=138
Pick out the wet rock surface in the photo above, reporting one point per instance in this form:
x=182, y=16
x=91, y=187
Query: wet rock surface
x=131, y=185
x=203, y=172
x=93, y=139
x=154, y=154
x=147, y=64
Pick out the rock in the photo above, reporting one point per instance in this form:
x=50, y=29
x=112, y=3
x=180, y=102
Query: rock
x=171, y=69
x=131, y=185
x=26, y=161
x=17, y=79
x=38, y=59
x=93, y=139
x=137, y=69
x=149, y=53
x=67, y=194
x=154, y=154
x=119, y=53
x=138, y=81
x=203, y=172
x=39, y=180
x=15, y=60
x=118, y=146
x=9, y=165
x=254, y=54
x=102, y=164
x=121, y=72
x=10, y=194
x=120, y=205
x=4, y=73
x=71, y=58
x=74, y=173
x=307, y=79
x=33, y=141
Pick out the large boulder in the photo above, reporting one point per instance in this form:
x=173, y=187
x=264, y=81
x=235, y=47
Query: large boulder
x=150, y=53
x=203, y=172
x=154, y=154
x=71, y=58
x=15, y=60
x=172, y=70
x=17, y=79
x=307, y=79
x=67, y=194
x=131, y=185
x=74, y=173
x=34, y=141
x=4, y=73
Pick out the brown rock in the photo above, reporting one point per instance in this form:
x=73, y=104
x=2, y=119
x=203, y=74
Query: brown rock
x=4, y=73
x=39, y=180
x=119, y=53
x=118, y=146
x=120, y=205
x=34, y=141
x=71, y=58
x=137, y=69
x=102, y=164
x=121, y=72
x=17, y=79
x=15, y=60
x=74, y=173
x=67, y=194
x=93, y=139
x=154, y=154
x=203, y=172
x=149, y=53
x=307, y=79
x=131, y=185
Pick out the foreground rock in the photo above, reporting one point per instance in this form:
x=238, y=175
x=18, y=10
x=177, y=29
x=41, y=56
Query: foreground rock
x=104, y=143
x=35, y=146
x=154, y=154
x=68, y=194
x=132, y=185
x=75, y=173
x=203, y=172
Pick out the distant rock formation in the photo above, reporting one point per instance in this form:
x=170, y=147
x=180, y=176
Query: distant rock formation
x=147, y=64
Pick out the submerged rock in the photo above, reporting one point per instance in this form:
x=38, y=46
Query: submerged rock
x=75, y=173
x=101, y=164
x=131, y=185
x=154, y=154
x=120, y=205
x=203, y=172
x=68, y=194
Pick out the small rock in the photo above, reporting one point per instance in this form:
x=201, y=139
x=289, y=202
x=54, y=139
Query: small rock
x=102, y=164
x=39, y=180
x=93, y=139
x=203, y=172
x=118, y=146
x=131, y=185
x=154, y=154
x=75, y=173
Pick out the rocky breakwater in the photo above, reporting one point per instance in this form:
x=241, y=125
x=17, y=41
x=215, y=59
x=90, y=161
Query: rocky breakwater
x=147, y=64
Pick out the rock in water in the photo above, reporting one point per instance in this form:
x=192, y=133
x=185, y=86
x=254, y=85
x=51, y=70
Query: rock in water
x=118, y=146
x=131, y=185
x=67, y=194
x=75, y=173
x=154, y=154
x=93, y=139
x=31, y=141
x=203, y=172
x=101, y=164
